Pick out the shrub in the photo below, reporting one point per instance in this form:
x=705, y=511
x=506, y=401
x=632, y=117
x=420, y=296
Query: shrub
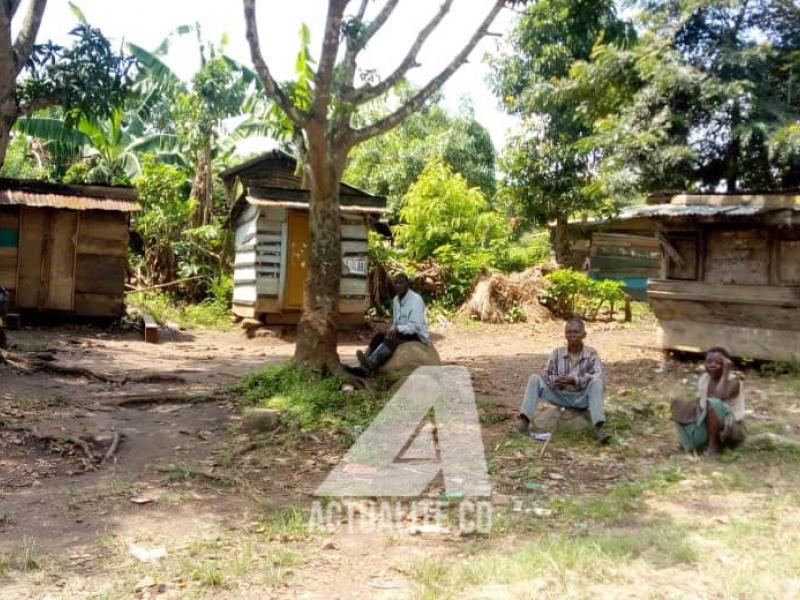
x=570, y=292
x=440, y=209
x=532, y=249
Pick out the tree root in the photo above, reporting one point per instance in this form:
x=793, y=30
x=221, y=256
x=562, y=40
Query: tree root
x=58, y=436
x=55, y=434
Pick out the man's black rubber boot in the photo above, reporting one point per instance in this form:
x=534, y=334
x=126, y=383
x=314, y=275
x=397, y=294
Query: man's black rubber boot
x=601, y=435
x=524, y=425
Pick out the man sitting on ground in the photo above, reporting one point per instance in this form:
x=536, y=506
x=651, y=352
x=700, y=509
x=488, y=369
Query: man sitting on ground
x=574, y=379
x=409, y=324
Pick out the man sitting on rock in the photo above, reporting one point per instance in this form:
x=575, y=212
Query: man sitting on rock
x=409, y=324
x=574, y=379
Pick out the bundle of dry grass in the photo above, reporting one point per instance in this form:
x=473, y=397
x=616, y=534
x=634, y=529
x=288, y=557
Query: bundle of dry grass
x=499, y=298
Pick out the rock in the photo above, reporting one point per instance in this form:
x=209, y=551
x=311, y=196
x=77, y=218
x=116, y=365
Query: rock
x=260, y=420
x=770, y=441
x=408, y=357
x=567, y=419
x=148, y=555
x=328, y=545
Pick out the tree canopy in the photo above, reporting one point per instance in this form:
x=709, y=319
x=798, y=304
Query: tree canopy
x=390, y=166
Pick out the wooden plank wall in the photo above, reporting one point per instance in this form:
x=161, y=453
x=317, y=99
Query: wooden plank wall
x=260, y=269
x=353, y=290
x=257, y=275
x=9, y=249
x=101, y=263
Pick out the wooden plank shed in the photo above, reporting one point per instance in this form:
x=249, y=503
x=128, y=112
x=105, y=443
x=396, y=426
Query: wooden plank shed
x=623, y=248
x=270, y=216
x=730, y=274
x=64, y=247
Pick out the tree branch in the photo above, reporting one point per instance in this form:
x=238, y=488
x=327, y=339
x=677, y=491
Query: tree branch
x=13, y=6
x=356, y=46
x=271, y=87
x=415, y=103
x=330, y=49
x=27, y=35
x=368, y=92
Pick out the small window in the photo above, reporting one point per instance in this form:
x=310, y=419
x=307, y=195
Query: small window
x=9, y=238
x=685, y=244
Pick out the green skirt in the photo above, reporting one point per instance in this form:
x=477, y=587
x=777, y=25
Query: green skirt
x=694, y=436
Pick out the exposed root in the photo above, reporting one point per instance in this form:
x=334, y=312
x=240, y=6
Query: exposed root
x=112, y=449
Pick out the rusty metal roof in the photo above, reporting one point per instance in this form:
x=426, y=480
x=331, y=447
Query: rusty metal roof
x=17, y=192
x=345, y=208
x=671, y=211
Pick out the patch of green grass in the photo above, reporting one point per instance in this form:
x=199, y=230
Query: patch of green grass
x=781, y=367
x=209, y=314
x=290, y=523
x=310, y=401
x=25, y=559
x=623, y=501
x=24, y=346
x=601, y=557
x=28, y=402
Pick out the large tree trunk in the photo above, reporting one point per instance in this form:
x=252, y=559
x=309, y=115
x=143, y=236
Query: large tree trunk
x=8, y=114
x=560, y=242
x=203, y=188
x=317, y=331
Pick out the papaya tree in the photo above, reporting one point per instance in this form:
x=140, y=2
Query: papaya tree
x=325, y=128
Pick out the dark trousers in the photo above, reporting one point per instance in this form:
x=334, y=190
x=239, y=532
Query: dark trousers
x=380, y=338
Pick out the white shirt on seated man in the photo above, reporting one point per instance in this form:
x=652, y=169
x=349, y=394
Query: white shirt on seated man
x=409, y=324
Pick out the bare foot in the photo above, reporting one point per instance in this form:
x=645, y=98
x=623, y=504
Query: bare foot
x=712, y=451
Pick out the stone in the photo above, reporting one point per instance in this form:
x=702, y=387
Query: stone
x=260, y=420
x=566, y=419
x=408, y=357
x=770, y=441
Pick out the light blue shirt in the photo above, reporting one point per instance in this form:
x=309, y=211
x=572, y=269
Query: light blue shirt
x=408, y=316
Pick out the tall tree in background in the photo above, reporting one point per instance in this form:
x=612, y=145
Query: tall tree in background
x=389, y=165
x=709, y=98
x=88, y=78
x=546, y=176
x=324, y=132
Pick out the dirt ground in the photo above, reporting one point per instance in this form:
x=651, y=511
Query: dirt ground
x=230, y=516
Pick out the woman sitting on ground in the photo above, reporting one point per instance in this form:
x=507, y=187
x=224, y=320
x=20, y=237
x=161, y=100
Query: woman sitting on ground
x=716, y=420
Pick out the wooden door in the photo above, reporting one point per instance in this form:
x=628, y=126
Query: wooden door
x=47, y=244
x=297, y=259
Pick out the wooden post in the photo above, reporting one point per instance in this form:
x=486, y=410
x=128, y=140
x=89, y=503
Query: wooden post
x=150, y=329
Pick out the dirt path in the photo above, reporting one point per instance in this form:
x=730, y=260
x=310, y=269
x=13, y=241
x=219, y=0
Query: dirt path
x=233, y=526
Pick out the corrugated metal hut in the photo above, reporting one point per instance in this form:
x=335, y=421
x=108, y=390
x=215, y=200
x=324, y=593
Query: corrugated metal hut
x=270, y=215
x=64, y=247
x=730, y=273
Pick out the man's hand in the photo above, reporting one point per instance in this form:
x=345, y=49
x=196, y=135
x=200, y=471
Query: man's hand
x=563, y=381
x=727, y=366
x=392, y=334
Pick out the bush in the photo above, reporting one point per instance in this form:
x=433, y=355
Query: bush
x=532, y=249
x=440, y=209
x=571, y=293
x=212, y=313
